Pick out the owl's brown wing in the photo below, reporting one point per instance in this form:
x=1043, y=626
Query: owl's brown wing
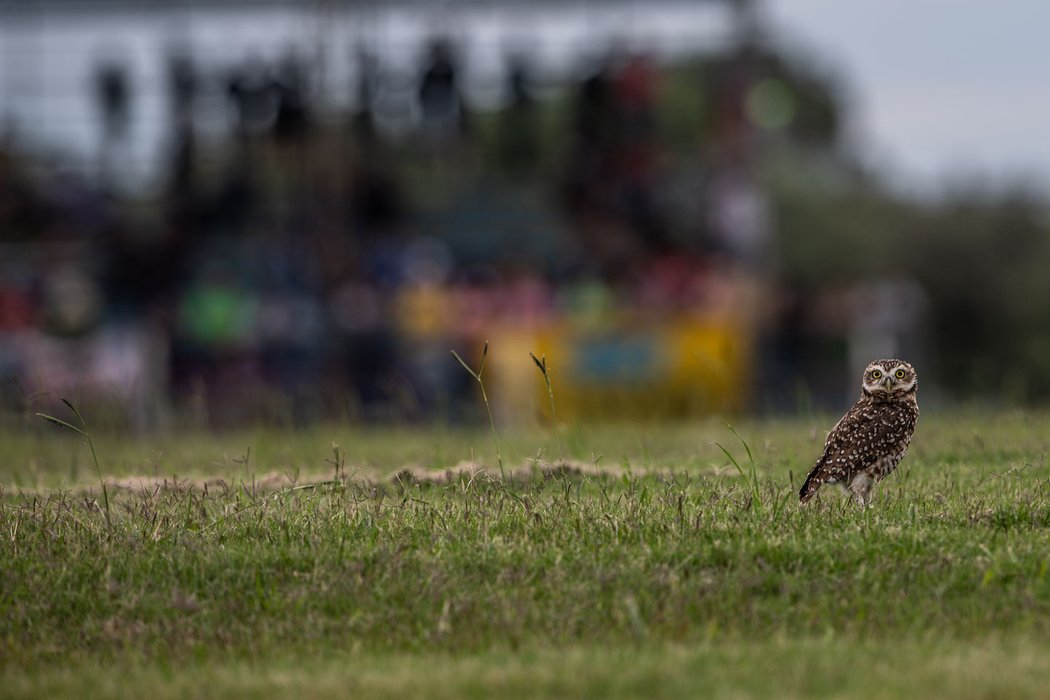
x=852, y=445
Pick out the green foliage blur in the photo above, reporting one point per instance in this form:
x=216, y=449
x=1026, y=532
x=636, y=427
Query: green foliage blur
x=980, y=255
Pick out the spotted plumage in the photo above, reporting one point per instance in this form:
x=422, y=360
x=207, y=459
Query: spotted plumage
x=871, y=439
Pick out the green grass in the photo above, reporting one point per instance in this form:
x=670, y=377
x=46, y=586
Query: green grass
x=654, y=566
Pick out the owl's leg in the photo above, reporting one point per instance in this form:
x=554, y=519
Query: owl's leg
x=861, y=488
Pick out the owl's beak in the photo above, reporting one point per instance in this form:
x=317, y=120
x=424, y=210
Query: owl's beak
x=889, y=383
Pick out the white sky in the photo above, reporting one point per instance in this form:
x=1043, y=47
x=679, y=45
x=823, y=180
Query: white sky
x=940, y=89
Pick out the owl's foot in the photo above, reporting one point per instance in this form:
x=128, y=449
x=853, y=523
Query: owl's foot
x=861, y=489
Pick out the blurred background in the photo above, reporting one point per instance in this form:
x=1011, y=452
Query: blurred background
x=220, y=213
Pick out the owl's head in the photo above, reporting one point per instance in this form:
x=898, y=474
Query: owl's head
x=889, y=378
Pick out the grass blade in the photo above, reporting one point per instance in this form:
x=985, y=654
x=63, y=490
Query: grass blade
x=83, y=432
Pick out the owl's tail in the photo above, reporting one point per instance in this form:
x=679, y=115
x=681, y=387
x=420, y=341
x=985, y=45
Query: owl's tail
x=810, y=486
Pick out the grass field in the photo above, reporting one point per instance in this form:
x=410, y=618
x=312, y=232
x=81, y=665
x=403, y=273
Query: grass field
x=618, y=561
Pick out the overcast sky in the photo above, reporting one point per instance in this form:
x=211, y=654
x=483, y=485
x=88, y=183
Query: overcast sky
x=940, y=88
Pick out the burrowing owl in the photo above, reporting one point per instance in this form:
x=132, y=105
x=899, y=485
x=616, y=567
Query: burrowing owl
x=870, y=440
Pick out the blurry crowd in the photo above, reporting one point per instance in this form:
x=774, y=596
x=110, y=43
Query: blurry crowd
x=304, y=263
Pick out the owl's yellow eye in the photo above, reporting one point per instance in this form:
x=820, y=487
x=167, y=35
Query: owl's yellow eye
x=876, y=374
x=900, y=374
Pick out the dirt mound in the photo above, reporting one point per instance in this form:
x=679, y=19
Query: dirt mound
x=411, y=475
